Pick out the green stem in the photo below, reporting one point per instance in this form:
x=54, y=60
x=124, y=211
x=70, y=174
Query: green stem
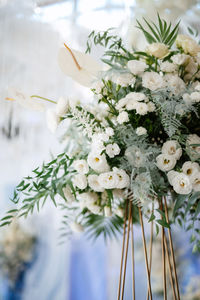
x=46, y=99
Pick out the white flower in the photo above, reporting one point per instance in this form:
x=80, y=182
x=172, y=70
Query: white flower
x=152, y=81
x=193, y=151
x=76, y=227
x=119, y=212
x=80, y=181
x=197, y=86
x=134, y=156
x=109, y=131
x=124, y=79
x=151, y=106
x=52, y=119
x=93, y=182
x=107, y=211
x=68, y=194
x=81, y=166
x=87, y=199
x=97, y=86
x=188, y=45
x=112, y=150
x=62, y=106
x=181, y=184
x=165, y=162
x=98, y=162
x=135, y=96
x=175, y=83
x=171, y=175
x=158, y=50
x=95, y=209
x=187, y=99
x=173, y=148
x=123, y=117
x=123, y=177
x=109, y=180
x=121, y=103
x=168, y=67
x=190, y=168
x=141, y=108
x=141, y=130
x=195, y=96
x=136, y=67
x=196, y=182
x=180, y=59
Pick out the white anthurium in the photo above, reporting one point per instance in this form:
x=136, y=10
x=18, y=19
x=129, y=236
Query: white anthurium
x=79, y=66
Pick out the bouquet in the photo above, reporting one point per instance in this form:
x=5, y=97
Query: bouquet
x=135, y=150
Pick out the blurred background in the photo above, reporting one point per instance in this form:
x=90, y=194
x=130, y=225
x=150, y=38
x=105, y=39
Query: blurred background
x=32, y=264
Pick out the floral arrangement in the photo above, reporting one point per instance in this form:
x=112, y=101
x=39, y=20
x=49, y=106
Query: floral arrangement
x=139, y=139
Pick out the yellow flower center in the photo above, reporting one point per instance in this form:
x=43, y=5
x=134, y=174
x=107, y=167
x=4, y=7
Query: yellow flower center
x=96, y=159
x=166, y=161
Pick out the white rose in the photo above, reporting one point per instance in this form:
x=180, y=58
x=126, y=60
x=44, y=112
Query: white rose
x=80, y=181
x=124, y=180
x=172, y=148
x=136, y=67
x=158, y=50
x=151, y=106
x=93, y=182
x=165, y=162
x=141, y=108
x=180, y=59
x=168, y=67
x=81, y=166
x=152, y=81
x=195, y=96
x=68, y=194
x=171, y=175
x=107, y=211
x=181, y=184
x=112, y=150
x=98, y=162
x=76, y=227
x=52, y=119
x=190, y=168
x=196, y=182
x=123, y=117
x=193, y=151
x=188, y=45
x=141, y=131
x=109, y=180
x=175, y=83
x=124, y=79
x=62, y=106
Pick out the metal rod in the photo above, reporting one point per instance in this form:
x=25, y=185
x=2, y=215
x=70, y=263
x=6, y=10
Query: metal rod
x=145, y=253
x=133, y=258
x=150, y=251
x=163, y=258
x=122, y=255
x=172, y=249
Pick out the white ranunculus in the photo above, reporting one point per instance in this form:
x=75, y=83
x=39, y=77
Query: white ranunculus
x=52, y=119
x=193, y=151
x=124, y=79
x=79, y=66
x=80, y=181
x=141, y=130
x=107, y=211
x=76, y=227
x=152, y=81
x=81, y=166
x=175, y=83
x=141, y=108
x=151, y=106
x=190, y=168
x=165, y=162
x=182, y=184
x=170, y=176
x=112, y=150
x=158, y=50
x=93, y=182
x=195, y=179
x=188, y=45
x=109, y=180
x=168, y=67
x=122, y=117
x=136, y=67
x=195, y=96
x=62, y=106
x=180, y=59
x=173, y=148
x=98, y=162
x=124, y=180
x=68, y=194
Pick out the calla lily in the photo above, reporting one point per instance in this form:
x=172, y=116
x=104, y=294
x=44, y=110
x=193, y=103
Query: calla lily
x=79, y=66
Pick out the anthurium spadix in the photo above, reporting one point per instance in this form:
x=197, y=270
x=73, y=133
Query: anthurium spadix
x=79, y=66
